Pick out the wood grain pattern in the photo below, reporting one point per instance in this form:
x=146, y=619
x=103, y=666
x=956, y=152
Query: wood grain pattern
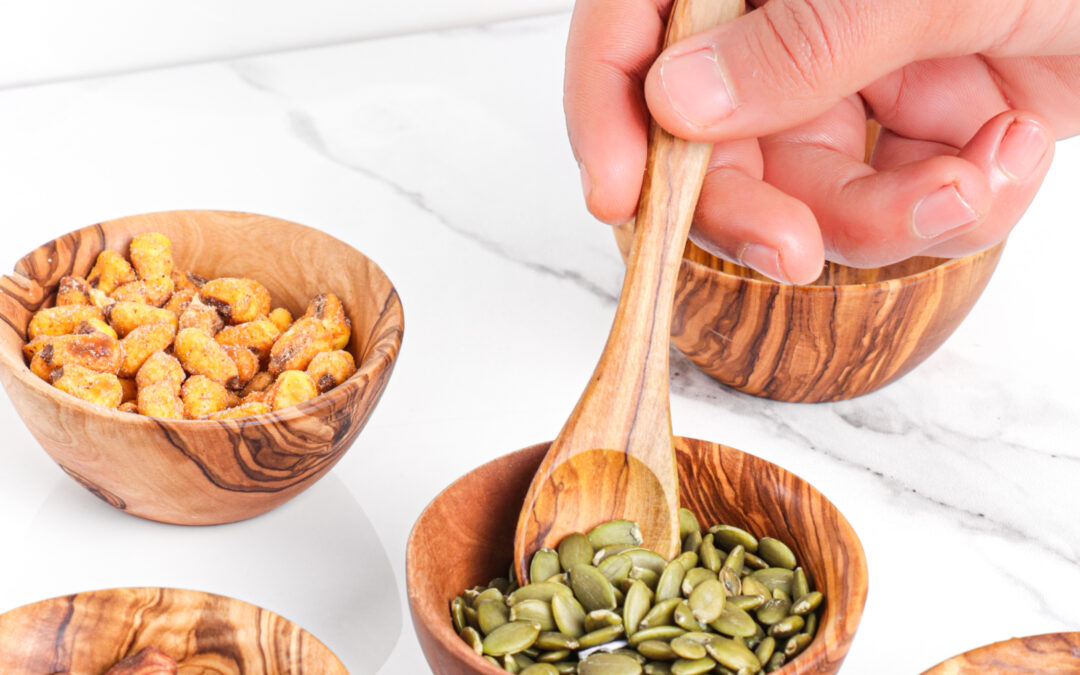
x=463, y=538
x=849, y=333
x=1050, y=654
x=87, y=633
x=206, y=472
x=612, y=459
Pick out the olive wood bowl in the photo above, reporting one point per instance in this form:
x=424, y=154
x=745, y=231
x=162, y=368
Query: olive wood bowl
x=89, y=632
x=847, y=334
x=199, y=472
x=465, y=537
x=1051, y=654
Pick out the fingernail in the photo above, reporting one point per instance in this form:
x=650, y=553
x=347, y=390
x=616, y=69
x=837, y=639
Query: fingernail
x=764, y=259
x=1022, y=149
x=586, y=181
x=941, y=211
x=696, y=87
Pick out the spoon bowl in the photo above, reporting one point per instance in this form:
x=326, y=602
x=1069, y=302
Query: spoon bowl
x=1050, y=654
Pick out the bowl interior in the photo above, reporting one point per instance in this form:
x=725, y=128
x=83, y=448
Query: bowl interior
x=90, y=632
x=465, y=538
x=1050, y=654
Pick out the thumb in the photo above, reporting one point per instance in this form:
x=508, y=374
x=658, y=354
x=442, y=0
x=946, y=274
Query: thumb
x=791, y=60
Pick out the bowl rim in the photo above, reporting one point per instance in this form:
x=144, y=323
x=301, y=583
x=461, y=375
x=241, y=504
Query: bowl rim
x=443, y=633
x=381, y=354
x=30, y=606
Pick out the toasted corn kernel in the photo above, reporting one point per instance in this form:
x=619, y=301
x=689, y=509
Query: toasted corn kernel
x=237, y=300
x=151, y=255
x=297, y=346
x=110, y=271
x=282, y=318
x=329, y=369
x=101, y=388
x=129, y=407
x=203, y=396
x=141, y=343
x=159, y=400
x=243, y=410
x=247, y=363
x=187, y=280
x=259, y=336
x=96, y=351
x=179, y=300
x=94, y=325
x=199, y=315
x=154, y=291
x=131, y=389
x=30, y=349
x=127, y=316
x=73, y=291
x=290, y=388
x=261, y=382
x=101, y=299
x=60, y=320
x=199, y=354
x=327, y=307
x=161, y=368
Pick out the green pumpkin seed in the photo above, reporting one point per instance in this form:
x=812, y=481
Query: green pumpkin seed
x=710, y=556
x=543, y=590
x=734, y=622
x=592, y=588
x=537, y=611
x=491, y=614
x=687, y=648
x=800, y=585
x=457, y=613
x=776, y=553
x=657, y=668
x=796, y=643
x=492, y=660
x=569, y=615
x=688, y=523
x=754, y=562
x=731, y=582
x=554, y=640
x=657, y=650
x=707, y=601
x=554, y=656
x=544, y=565
x=694, y=577
x=511, y=638
x=747, y=603
x=807, y=603
x=575, y=550
x=566, y=667
x=774, y=578
x=606, y=552
x=670, y=581
x=695, y=667
x=644, y=558
x=811, y=624
x=616, y=567
x=632, y=654
x=665, y=633
x=601, y=618
x=735, y=559
x=773, y=611
x=638, y=601
x=728, y=537
x=787, y=627
x=765, y=649
x=601, y=663
x=751, y=586
x=661, y=614
x=732, y=654
x=684, y=617
x=692, y=542
x=615, y=532
x=688, y=559
x=473, y=639
x=471, y=618
x=600, y=636
x=515, y=663
x=650, y=578
x=540, y=669
x=776, y=662
x=489, y=594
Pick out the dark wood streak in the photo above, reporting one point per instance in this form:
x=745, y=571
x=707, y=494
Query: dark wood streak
x=206, y=472
x=1049, y=654
x=96, y=490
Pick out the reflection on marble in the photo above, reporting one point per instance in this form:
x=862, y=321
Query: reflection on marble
x=316, y=560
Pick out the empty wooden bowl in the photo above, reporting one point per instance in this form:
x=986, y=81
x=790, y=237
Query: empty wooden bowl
x=204, y=633
x=465, y=537
x=198, y=472
x=1051, y=654
x=847, y=334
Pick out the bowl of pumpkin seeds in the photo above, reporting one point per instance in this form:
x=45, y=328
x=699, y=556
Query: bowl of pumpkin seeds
x=771, y=578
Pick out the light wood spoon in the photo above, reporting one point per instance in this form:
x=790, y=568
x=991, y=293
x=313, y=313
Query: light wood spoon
x=614, y=457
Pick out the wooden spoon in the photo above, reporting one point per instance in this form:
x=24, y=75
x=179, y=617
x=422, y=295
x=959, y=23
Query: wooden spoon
x=614, y=458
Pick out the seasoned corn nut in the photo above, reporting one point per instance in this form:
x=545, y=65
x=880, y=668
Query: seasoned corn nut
x=329, y=369
x=95, y=351
x=242, y=410
x=60, y=320
x=154, y=291
x=93, y=325
x=187, y=280
x=109, y=272
x=237, y=300
x=73, y=291
x=290, y=388
x=282, y=318
x=247, y=363
x=151, y=255
x=261, y=382
x=101, y=388
x=161, y=368
x=159, y=400
x=297, y=346
x=199, y=354
x=127, y=316
x=203, y=396
x=131, y=389
x=141, y=343
x=201, y=316
x=327, y=308
x=259, y=336
x=179, y=300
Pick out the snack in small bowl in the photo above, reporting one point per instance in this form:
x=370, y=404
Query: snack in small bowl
x=207, y=452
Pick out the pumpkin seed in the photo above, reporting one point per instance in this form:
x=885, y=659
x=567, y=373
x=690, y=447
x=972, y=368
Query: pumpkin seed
x=540, y=669
x=688, y=523
x=747, y=603
x=657, y=650
x=754, y=562
x=657, y=669
x=615, y=532
x=735, y=558
x=776, y=553
x=710, y=556
x=684, y=617
x=734, y=622
x=787, y=627
x=692, y=542
x=554, y=640
x=600, y=636
x=457, y=613
x=644, y=558
x=670, y=581
x=665, y=633
x=543, y=590
x=751, y=586
x=776, y=662
x=687, y=648
x=544, y=565
x=811, y=624
x=728, y=537
x=695, y=667
x=661, y=614
x=601, y=618
x=592, y=588
x=574, y=550
x=491, y=614
x=569, y=615
x=796, y=643
x=774, y=578
x=807, y=603
x=646, y=575
x=636, y=606
x=688, y=559
x=765, y=649
x=473, y=639
x=609, y=664
x=732, y=654
x=616, y=567
x=694, y=577
x=773, y=611
x=606, y=552
x=731, y=582
x=800, y=585
x=707, y=601
x=510, y=638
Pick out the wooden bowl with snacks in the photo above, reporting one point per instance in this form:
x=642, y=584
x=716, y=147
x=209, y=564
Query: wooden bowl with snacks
x=465, y=538
x=92, y=632
x=1050, y=654
x=850, y=332
x=205, y=471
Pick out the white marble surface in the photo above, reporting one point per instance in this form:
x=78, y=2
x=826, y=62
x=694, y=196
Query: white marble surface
x=443, y=157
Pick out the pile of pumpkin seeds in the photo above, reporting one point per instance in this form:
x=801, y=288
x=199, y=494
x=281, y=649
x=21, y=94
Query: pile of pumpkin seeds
x=602, y=605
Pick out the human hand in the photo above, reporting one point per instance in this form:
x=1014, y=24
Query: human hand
x=970, y=97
